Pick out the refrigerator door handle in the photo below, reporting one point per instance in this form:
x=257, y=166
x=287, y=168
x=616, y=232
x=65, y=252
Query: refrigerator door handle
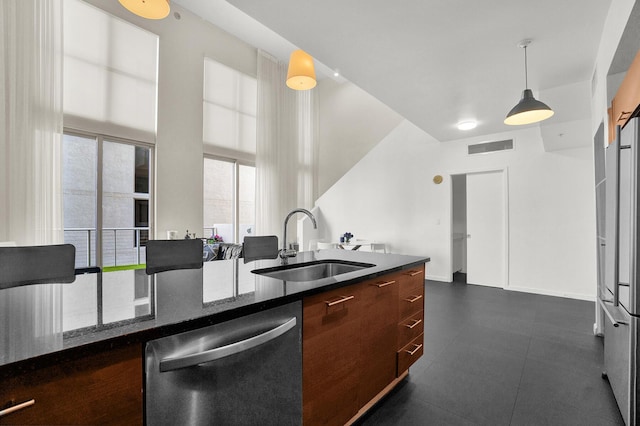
x=191, y=360
x=614, y=322
x=616, y=281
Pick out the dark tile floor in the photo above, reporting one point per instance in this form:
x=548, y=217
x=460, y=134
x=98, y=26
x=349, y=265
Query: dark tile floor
x=496, y=357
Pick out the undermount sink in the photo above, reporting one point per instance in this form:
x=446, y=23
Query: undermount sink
x=311, y=271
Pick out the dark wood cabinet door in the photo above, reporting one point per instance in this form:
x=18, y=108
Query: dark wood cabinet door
x=331, y=349
x=378, y=336
x=104, y=389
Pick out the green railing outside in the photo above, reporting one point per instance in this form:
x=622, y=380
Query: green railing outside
x=124, y=267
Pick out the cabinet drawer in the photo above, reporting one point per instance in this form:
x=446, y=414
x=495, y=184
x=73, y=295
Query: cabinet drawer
x=411, y=282
x=411, y=303
x=410, y=354
x=329, y=310
x=410, y=328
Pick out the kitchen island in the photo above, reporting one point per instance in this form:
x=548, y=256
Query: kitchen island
x=96, y=359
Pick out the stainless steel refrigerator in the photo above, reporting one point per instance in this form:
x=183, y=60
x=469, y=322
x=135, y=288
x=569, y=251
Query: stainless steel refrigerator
x=618, y=293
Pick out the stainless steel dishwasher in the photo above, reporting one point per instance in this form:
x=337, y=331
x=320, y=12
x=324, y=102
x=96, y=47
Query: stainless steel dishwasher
x=246, y=371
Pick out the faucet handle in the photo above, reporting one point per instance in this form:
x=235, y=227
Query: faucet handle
x=287, y=253
x=291, y=253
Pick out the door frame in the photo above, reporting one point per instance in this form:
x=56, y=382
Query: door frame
x=505, y=188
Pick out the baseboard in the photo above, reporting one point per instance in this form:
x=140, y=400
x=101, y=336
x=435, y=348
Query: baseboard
x=552, y=293
x=437, y=278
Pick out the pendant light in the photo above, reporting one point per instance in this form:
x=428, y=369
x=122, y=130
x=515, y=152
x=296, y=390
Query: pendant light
x=150, y=9
x=529, y=110
x=301, y=74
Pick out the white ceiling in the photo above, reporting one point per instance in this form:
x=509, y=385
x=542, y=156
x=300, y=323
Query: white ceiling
x=435, y=63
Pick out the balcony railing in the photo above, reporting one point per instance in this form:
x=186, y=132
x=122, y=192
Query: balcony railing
x=120, y=246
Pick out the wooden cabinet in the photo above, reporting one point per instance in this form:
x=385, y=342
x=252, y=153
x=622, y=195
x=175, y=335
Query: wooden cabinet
x=627, y=98
x=378, y=329
x=330, y=356
x=105, y=388
x=358, y=342
x=410, y=327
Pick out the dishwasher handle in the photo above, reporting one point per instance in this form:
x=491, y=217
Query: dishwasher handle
x=191, y=360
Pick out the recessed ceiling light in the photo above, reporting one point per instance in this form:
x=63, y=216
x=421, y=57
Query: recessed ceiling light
x=467, y=125
x=336, y=73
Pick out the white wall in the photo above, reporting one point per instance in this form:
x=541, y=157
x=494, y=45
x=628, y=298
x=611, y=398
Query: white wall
x=389, y=196
x=351, y=122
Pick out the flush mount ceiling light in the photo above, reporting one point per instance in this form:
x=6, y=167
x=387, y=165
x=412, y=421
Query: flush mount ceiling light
x=150, y=9
x=301, y=74
x=467, y=125
x=529, y=109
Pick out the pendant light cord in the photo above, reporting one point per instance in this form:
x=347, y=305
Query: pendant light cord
x=526, y=79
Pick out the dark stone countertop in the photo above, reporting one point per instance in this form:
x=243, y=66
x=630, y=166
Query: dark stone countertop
x=187, y=299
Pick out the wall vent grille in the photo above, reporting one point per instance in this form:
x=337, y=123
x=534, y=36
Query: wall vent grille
x=486, y=147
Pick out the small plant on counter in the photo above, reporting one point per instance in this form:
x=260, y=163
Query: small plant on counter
x=215, y=239
x=347, y=237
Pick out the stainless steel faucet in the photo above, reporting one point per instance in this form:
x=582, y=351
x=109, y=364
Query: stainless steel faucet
x=284, y=253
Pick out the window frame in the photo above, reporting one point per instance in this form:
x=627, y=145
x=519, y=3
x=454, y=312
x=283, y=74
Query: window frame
x=100, y=139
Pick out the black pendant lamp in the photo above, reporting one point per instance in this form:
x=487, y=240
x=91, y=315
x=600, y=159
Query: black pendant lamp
x=529, y=110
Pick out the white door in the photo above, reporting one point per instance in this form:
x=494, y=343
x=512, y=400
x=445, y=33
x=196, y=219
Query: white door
x=486, y=228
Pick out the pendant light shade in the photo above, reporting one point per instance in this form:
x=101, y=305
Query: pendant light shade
x=301, y=74
x=150, y=9
x=529, y=110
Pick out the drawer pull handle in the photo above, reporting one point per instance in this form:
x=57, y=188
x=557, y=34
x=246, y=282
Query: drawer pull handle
x=414, y=273
x=17, y=407
x=384, y=284
x=417, y=348
x=415, y=323
x=341, y=300
x=414, y=298
x=623, y=113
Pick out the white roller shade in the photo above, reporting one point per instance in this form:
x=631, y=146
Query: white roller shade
x=110, y=74
x=229, y=108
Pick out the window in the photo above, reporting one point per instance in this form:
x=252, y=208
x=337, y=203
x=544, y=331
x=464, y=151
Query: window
x=110, y=85
x=141, y=222
x=123, y=221
x=229, y=199
x=109, y=97
x=246, y=200
x=229, y=131
x=141, y=170
x=80, y=192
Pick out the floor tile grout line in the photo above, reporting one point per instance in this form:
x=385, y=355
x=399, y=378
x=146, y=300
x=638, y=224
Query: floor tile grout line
x=524, y=365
